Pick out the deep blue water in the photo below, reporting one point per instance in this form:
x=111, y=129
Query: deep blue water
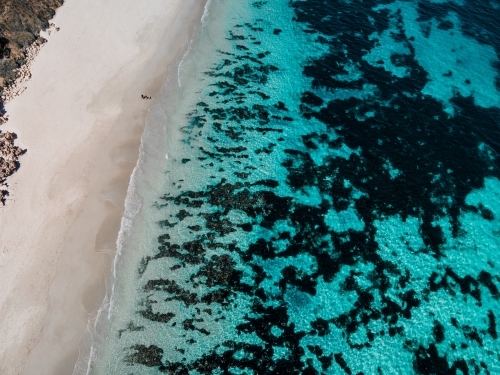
x=331, y=199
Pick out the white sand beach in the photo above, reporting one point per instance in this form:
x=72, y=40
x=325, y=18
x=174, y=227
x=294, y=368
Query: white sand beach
x=81, y=119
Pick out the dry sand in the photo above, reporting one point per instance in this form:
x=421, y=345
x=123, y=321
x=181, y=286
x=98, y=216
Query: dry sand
x=81, y=119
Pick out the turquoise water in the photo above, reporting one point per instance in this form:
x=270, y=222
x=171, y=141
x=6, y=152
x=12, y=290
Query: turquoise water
x=318, y=193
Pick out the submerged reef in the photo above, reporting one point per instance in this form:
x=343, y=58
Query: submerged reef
x=350, y=218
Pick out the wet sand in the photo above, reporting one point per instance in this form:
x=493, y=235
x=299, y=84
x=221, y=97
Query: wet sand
x=81, y=119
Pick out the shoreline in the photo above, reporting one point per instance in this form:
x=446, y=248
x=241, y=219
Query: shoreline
x=61, y=221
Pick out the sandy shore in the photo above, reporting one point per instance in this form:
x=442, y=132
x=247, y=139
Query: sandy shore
x=81, y=119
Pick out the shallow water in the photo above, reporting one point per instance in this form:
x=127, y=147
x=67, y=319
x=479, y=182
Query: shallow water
x=320, y=196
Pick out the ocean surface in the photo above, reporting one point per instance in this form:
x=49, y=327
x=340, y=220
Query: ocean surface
x=318, y=192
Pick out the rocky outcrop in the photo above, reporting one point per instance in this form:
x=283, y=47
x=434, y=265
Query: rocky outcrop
x=23, y=74
x=20, y=24
x=9, y=154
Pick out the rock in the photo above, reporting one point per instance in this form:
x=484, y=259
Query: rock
x=20, y=24
x=9, y=156
x=3, y=196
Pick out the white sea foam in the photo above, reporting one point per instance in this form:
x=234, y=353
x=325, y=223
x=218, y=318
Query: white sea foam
x=133, y=204
x=206, y=12
x=97, y=325
x=204, y=17
x=90, y=341
x=180, y=68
